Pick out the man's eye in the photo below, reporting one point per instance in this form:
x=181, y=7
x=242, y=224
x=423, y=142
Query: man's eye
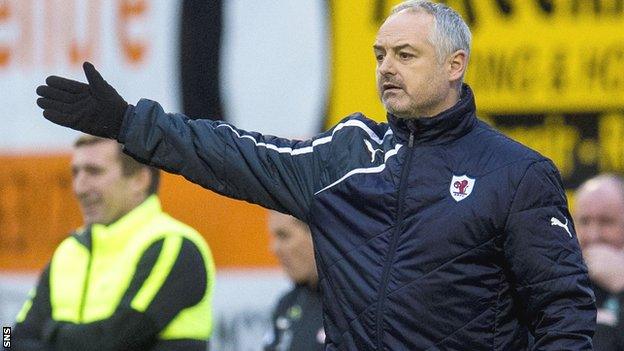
x=405, y=55
x=379, y=57
x=94, y=171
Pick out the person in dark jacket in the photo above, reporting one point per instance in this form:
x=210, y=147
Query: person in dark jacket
x=297, y=321
x=599, y=218
x=431, y=231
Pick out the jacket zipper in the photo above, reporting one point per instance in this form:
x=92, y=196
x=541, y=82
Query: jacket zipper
x=393, y=243
x=85, y=286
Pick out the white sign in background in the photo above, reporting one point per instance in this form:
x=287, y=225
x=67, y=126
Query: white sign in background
x=275, y=63
x=132, y=43
x=275, y=60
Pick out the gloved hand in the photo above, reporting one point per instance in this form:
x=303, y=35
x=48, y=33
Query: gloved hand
x=95, y=108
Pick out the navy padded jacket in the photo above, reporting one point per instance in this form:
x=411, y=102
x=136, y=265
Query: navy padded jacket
x=432, y=234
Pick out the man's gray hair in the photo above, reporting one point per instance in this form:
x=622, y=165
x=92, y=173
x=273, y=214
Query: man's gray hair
x=450, y=32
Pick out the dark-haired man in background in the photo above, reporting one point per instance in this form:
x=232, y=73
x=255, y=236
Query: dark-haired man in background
x=133, y=278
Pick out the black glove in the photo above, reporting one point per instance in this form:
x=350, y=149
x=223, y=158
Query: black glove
x=95, y=108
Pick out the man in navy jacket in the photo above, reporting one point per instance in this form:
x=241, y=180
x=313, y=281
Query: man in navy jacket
x=431, y=231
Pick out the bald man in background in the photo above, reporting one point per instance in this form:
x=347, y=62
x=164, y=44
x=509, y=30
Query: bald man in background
x=599, y=219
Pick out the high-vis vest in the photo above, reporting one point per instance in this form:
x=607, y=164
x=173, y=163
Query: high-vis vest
x=86, y=285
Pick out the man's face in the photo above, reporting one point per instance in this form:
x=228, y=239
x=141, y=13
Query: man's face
x=103, y=192
x=292, y=244
x=411, y=81
x=599, y=215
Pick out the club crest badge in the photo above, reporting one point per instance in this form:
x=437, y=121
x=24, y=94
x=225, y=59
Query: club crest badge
x=461, y=187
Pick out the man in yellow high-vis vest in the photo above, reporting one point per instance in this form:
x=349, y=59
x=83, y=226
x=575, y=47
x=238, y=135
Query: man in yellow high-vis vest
x=133, y=278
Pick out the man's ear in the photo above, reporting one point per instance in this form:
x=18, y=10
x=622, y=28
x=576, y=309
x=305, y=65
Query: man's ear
x=456, y=64
x=141, y=180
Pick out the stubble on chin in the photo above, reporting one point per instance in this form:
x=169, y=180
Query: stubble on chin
x=397, y=110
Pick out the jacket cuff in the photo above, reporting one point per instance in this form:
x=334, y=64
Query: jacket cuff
x=121, y=136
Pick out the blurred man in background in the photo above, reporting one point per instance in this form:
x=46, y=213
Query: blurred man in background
x=599, y=219
x=132, y=278
x=298, y=316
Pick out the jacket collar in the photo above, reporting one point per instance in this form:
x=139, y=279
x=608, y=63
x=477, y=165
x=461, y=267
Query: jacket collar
x=444, y=127
x=119, y=231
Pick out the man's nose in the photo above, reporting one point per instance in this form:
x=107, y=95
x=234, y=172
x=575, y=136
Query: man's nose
x=274, y=246
x=589, y=233
x=79, y=183
x=386, y=66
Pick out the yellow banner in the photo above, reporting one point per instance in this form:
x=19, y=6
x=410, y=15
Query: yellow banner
x=541, y=56
x=528, y=56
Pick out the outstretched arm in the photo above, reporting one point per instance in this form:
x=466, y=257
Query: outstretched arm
x=273, y=172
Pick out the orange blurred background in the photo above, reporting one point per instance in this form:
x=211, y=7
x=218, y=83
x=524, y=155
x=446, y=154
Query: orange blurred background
x=39, y=186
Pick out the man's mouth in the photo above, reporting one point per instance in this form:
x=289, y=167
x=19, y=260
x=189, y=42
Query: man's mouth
x=89, y=208
x=89, y=204
x=390, y=87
